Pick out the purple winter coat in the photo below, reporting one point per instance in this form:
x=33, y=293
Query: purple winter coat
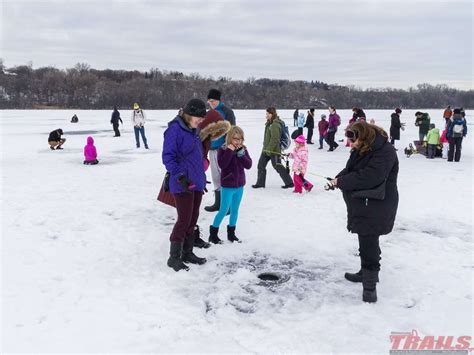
x=232, y=167
x=182, y=155
x=334, y=121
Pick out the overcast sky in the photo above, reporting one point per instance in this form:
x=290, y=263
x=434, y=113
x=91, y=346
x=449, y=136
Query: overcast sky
x=364, y=43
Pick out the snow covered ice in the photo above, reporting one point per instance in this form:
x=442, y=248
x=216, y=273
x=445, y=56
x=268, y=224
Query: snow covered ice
x=84, y=248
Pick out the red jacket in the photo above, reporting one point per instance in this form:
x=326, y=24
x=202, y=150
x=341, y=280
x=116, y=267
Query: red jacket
x=323, y=126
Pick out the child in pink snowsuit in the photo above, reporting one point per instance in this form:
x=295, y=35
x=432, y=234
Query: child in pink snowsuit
x=90, y=153
x=300, y=156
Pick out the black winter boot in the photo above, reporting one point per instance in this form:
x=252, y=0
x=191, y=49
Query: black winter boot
x=369, y=282
x=231, y=235
x=213, y=238
x=174, y=261
x=356, y=277
x=198, y=241
x=188, y=256
x=217, y=203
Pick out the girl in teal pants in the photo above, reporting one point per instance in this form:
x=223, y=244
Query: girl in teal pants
x=233, y=160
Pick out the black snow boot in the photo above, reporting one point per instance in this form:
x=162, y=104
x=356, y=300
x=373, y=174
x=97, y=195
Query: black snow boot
x=231, y=235
x=188, y=255
x=213, y=237
x=217, y=203
x=369, y=282
x=174, y=261
x=198, y=241
x=356, y=277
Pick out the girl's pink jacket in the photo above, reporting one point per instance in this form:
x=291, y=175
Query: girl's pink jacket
x=300, y=156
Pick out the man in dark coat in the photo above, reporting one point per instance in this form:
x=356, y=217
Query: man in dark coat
x=369, y=187
x=295, y=117
x=115, y=121
x=54, y=140
x=310, y=125
x=395, y=126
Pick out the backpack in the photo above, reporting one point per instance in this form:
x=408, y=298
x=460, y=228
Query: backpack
x=285, y=140
x=458, y=129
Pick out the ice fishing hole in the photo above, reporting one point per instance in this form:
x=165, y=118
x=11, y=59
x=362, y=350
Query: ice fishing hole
x=269, y=276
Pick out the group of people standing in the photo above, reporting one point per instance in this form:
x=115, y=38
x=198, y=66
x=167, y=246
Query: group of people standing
x=198, y=138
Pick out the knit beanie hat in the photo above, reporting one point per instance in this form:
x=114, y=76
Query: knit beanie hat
x=195, y=107
x=300, y=139
x=214, y=94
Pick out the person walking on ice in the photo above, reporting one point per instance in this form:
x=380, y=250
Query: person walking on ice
x=300, y=164
x=115, y=121
x=138, y=120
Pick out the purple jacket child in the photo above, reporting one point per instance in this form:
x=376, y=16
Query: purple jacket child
x=182, y=156
x=232, y=167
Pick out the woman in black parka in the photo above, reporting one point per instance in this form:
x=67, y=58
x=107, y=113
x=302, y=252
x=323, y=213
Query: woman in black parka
x=395, y=126
x=370, y=173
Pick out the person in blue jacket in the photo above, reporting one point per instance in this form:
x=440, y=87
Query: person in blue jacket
x=183, y=159
x=457, y=130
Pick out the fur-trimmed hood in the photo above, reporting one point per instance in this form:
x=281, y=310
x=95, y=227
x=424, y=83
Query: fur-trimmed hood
x=214, y=130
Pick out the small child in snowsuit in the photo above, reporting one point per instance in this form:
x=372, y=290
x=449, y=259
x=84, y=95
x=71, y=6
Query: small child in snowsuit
x=443, y=141
x=432, y=139
x=233, y=158
x=300, y=156
x=90, y=153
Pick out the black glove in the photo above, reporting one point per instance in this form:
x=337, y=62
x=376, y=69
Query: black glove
x=187, y=185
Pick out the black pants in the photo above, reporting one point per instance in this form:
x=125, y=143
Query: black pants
x=392, y=140
x=331, y=142
x=432, y=150
x=310, y=135
x=277, y=165
x=369, y=251
x=455, y=145
x=187, y=205
x=116, y=129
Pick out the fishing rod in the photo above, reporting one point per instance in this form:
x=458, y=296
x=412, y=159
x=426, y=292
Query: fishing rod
x=285, y=157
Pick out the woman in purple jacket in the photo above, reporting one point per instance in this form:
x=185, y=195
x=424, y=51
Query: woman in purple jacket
x=182, y=156
x=233, y=159
x=334, y=122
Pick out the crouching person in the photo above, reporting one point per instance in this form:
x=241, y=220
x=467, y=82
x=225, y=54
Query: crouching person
x=233, y=158
x=369, y=188
x=182, y=157
x=90, y=152
x=55, y=141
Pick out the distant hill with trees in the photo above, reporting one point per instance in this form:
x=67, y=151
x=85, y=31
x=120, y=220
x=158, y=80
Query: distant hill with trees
x=82, y=87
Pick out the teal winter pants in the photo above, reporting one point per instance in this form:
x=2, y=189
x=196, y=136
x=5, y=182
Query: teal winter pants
x=230, y=197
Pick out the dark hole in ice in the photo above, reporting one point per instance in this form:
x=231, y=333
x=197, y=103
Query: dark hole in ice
x=269, y=276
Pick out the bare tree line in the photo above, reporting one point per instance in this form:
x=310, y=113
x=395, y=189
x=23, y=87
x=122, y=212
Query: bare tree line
x=82, y=87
